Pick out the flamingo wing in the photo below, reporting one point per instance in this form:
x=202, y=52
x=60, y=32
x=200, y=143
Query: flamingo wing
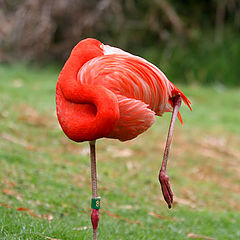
x=135, y=118
x=141, y=88
x=128, y=76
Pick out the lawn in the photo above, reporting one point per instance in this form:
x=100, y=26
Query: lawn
x=45, y=186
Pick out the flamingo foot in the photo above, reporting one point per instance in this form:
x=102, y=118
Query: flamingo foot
x=166, y=187
x=95, y=218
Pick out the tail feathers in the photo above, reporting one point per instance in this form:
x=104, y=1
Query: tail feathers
x=175, y=91
x=180, y=117
x=186, y=100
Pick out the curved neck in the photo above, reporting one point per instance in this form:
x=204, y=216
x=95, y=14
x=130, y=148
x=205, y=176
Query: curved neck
x=85, y=112
x=92, y=114
x=81, y=53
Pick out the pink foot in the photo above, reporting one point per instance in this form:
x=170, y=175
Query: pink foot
x=166, y=188
x=95, y=218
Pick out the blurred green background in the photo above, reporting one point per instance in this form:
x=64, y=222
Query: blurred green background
x=192, y=41
x=45, y=178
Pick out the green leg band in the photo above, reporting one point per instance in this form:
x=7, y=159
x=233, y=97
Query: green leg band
x=95, y=204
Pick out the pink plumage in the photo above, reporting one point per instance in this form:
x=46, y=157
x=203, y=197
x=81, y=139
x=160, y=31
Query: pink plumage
x=142, y=90
x=103, y=91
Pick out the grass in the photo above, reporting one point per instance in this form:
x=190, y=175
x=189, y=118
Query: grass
x=45, y=178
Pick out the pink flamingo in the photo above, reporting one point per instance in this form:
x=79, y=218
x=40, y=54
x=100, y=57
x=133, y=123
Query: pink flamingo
x=103, y=91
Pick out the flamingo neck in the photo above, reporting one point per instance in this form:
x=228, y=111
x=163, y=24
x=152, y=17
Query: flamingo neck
x=85, y=112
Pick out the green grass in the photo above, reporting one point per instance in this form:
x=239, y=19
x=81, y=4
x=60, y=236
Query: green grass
x=48, y=177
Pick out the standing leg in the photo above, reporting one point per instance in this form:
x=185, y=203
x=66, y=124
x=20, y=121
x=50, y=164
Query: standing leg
x=95, y=204
x=163, y=178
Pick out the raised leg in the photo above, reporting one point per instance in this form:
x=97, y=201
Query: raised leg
x=163, y=178
x=95, y=204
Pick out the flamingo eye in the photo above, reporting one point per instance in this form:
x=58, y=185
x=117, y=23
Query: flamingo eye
x=101, y=46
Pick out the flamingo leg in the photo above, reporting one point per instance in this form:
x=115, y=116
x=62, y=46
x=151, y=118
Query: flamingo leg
x=95, y=199
x=163, y=178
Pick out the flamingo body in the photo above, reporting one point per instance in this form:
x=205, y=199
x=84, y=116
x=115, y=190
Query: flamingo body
x=103, y=91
